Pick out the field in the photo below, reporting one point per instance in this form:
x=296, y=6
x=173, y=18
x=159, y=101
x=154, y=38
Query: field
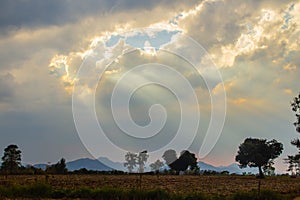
x=215, y=185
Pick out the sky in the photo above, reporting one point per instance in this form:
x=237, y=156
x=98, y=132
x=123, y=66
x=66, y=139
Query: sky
x=60, y=61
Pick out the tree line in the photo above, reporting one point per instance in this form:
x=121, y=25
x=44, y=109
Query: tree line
x=11, y=164
x=253, y=152
x=185, y=161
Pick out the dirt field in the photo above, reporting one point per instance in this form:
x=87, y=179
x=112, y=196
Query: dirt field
x=225, y=185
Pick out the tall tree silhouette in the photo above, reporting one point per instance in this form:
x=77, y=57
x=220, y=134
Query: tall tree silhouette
x=11, y=160
x=131, y=161
x=259, y=153
x=294, y=160
x=141, y=161
x=296, y=108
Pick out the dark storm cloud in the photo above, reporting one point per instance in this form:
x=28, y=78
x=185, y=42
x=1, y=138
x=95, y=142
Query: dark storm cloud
x=18, y=13
x=138, y=4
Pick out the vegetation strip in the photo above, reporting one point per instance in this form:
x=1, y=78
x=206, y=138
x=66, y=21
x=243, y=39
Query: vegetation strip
x=42, y=190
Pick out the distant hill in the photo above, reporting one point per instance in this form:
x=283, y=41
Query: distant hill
x=205, y=166
x=89, y=164
x=233, y=168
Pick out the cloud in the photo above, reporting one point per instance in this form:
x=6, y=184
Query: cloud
x=6, y=87
x=34, y=13
x=288, y=91
x=247, y=28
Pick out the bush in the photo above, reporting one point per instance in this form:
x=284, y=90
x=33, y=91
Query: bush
x=37, y=190
x=81, y=193
x=264, y=195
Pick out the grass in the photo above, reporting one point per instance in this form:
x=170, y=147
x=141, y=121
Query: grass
x=164, y=187
x=42, y=190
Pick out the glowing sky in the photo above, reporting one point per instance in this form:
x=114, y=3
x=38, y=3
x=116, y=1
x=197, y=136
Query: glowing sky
x=254, y=44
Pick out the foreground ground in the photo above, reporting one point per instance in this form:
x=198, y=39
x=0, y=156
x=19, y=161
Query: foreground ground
x=224, y=185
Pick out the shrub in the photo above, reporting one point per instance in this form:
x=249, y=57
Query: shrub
x=264, y=195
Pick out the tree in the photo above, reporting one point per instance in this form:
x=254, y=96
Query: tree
x=61, y=167
x=170, y=156
x=190, y=160
x=11, y=160
x=296, y=161
x=259, y=153
x=293, y=160
x=58, y=168
x=156, y=165
x=185, y=160
x=269, y=170
x=296, y=108
x=141, y=160
x=294, y=165
x=131, y=161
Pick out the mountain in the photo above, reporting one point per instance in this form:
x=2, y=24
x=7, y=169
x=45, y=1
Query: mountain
x=204, y=166
x=233, y=168
x=89, y=164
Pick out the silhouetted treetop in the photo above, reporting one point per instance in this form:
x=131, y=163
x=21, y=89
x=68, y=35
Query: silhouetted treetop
x=11, y=160
x=185, y=160
x=259, y=153
x=296, y=108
